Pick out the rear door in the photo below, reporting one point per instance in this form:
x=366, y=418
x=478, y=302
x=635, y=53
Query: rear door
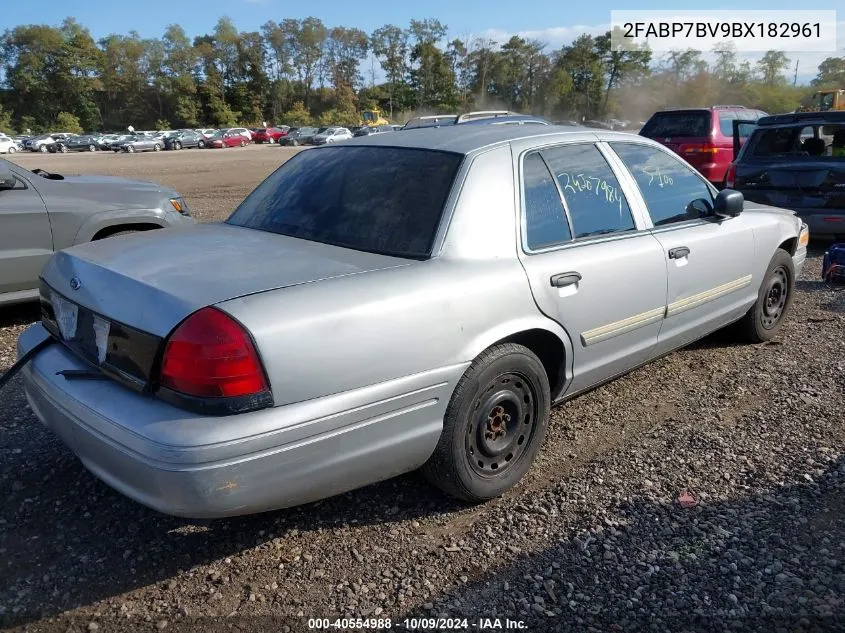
x=708, y=260
x=26, y=241
x=590, y=265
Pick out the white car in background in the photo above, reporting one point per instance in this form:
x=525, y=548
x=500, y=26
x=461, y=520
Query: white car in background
x=242, y=131
x=332, y=135
x=8, y=145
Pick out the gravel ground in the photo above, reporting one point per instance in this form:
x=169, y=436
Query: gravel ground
x=595, y=539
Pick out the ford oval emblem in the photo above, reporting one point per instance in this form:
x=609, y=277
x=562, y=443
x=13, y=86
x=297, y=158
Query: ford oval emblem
x=75, y=283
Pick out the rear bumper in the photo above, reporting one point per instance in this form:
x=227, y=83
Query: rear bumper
x=187, y=465
x=823, y=223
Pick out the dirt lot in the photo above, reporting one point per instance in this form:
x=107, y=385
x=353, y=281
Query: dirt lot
x=593, y=540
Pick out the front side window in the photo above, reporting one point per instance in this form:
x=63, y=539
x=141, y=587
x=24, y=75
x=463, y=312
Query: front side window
x=593, y=197
x=669, y=187
x=545, y=219
x=385, y=200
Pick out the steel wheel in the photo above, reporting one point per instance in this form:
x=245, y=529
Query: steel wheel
x=502, y=424
x=494, y=425
x=776, y=296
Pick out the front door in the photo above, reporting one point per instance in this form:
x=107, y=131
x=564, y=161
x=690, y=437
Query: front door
x=26, y=241
x=709, y=260
x=589, y=265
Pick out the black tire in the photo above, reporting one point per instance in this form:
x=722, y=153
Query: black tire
x=494, y=425
x=156, y=147
x=63, y=149
x=92, y=148
x=243, y=143
x=177, y=145
x=774, y=300
x=201, y=144
x=43, y=149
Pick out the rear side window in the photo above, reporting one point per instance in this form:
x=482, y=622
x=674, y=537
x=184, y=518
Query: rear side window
x=690, y=123
x=726, y=124
x=592, y=194
x=668, y=185
x=545, y=219
x=386, y=200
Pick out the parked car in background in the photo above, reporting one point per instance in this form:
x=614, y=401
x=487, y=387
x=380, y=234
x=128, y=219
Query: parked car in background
x=433, y=120
x=269, y=134
x=86, y=143
x=242, y=131
x=796, y=161
x=8, y=145
x=44, y=212
x=117, y=144
x=238, y=395
x=225, y=139
x=38, y=143
x=395, y=127
x=331, y=135
x=701, y=136
x=206, y=131
x=184, y=139
x=56, y=147
x=369, y=130
x=143, y=144
x=301, y=135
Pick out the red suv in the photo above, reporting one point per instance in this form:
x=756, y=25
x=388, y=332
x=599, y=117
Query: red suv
x=269, y=134
x=701, y=136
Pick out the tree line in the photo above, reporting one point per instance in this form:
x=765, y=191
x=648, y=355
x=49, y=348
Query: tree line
x=303, y=71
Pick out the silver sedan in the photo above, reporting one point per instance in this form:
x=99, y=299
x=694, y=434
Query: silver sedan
x=390, y=303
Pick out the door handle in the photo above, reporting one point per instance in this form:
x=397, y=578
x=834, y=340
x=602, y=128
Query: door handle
x=565, y=279
x=678, y=253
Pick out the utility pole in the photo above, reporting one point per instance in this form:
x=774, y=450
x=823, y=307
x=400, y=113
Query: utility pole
x=795, y=78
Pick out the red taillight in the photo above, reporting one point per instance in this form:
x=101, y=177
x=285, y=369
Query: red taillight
x=210, y=355
x=730, y=176
x=702, y=149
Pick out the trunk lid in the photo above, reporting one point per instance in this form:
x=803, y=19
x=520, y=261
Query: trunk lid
x=818, y=184
x=152, y=281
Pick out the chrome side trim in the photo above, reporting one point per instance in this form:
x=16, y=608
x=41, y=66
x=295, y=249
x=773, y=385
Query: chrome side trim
x=708, y=295
x=617, y=328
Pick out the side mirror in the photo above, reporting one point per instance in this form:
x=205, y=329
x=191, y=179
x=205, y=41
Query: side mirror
x=7, y=179
x=728, y=203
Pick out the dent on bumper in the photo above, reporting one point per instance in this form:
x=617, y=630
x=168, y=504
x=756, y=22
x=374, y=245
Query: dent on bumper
x=186, y=465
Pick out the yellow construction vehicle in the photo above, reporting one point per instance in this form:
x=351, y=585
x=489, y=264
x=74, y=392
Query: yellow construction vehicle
x=373, y=118
x=826, y=100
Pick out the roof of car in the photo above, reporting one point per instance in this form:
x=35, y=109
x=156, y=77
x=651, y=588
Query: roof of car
x=463, y=139
x=829, y=117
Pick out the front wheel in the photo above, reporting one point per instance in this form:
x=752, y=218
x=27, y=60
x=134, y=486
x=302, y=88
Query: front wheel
x=43, y=149
x=92, y=148
x=12, y=150
x=156, y=147
x=201, y=144
x=494, y=425
x=243, y=143
x=774, y=300
x=177, y=145
x=63, y=149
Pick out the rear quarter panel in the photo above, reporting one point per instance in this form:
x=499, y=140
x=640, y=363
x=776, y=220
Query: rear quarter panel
x=345, y=333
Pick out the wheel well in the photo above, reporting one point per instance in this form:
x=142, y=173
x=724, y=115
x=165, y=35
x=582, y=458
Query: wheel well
x=548, y=348
x=111, y=230
x=790, y=245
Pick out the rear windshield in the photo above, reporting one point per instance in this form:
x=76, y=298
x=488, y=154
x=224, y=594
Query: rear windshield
x=685, y=123
x=825, y=141
x=384, y=200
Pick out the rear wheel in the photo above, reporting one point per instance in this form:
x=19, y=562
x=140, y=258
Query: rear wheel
x=201, y=144
x=12, y=150
x=243, y=143
x=92, y=148
x=130, y=149
x=43, y=149
x=177, y=145
x=774, y=300
x=156, y=147
x=494, y=425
